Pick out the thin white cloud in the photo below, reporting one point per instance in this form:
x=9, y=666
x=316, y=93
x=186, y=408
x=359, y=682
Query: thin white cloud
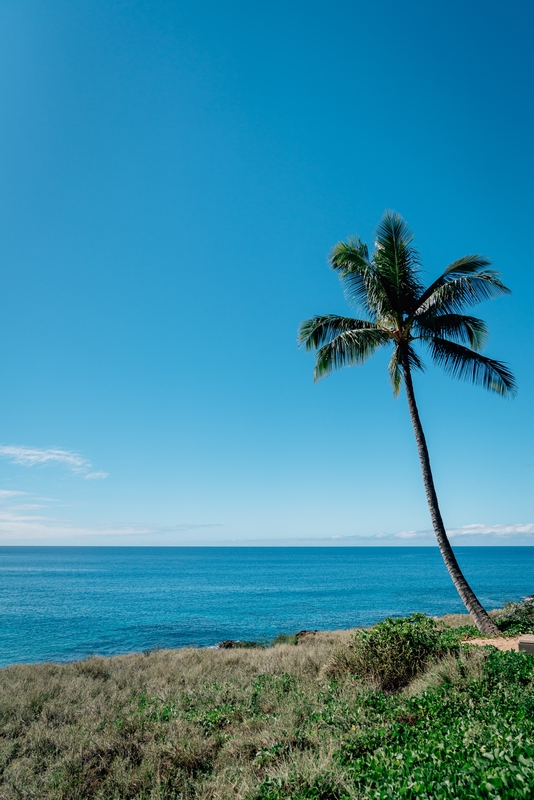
x=31, y=456
x=28, y=506
x=39, y=524
x=5, y=494
x=96, y=476
x=524, y=529
x=477, y=529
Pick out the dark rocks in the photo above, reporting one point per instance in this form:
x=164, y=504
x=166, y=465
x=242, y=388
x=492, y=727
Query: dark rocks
x=303, y=633
x=230, y=644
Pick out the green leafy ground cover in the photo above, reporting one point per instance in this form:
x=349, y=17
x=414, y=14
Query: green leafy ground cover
x=403, y=710
x=466, y=739
x=516, y=618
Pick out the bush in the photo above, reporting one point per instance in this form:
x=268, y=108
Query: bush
x=516, y=618
x=285, y=638
x=395, y=651
x=510, y=668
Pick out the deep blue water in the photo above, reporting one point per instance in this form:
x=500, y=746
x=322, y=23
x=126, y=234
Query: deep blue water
x=63, y=603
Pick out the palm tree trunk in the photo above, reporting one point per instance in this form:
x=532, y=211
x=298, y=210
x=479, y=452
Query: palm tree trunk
x=481, y=618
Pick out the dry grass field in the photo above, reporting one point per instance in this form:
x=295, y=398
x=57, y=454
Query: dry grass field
x=165, y=724
x=252, y=724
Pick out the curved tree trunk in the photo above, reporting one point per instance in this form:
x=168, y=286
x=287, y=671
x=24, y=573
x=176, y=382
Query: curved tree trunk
x=481, y=618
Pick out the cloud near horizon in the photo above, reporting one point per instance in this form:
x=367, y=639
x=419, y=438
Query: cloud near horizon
x=521, y=532
x=496, y=530
x=476, y=529
x=36, y=523
x=29, y=519
x=31, y=456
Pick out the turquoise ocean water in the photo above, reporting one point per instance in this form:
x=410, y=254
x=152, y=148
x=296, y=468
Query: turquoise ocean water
x=64, y=603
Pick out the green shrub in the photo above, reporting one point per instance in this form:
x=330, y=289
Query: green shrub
x=285, y=638
x=516, y=618
x=509, y=667
x=451, y=637
x=395, y=651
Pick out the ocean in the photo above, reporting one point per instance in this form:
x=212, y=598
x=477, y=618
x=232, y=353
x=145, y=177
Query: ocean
x=65, y=603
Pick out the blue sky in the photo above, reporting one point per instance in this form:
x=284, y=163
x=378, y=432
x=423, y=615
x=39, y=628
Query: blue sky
x=173, y=178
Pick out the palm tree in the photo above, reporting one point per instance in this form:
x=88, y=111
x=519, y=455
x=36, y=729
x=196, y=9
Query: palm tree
x=401, y=312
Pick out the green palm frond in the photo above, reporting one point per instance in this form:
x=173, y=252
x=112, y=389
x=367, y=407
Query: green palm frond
x=395, y=371
x=465, y=364
x=317, y=331
x=462, y=267
x=395, y=366
x=466, y=282
x=397, y=262
x=458, y=327
x=349, y=349
x=361, y=283
x=467, y=265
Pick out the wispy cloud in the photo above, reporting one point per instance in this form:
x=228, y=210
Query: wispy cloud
x=31, y=456
x=38, y=523
x=477, y=529
x=476, y=533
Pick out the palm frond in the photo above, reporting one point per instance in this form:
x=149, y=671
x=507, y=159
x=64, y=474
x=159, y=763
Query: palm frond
x=396, y=369
x=361, y=283
x=466, y=282
x=349, y=349
x=467, y=265
x=317, y=331
x=465, y=364
x=457, y=327
x=397, y=262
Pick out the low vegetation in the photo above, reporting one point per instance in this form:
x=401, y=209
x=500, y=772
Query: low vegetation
x=516, y=618
x=405, y=709
x=394, y=652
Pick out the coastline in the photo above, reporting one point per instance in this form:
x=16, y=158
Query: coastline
x=331, y=638
x=66, y=604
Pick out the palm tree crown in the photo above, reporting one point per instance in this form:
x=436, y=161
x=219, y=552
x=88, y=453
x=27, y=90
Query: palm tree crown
x=400, y=311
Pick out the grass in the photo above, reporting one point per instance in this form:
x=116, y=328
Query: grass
x=311, y=720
